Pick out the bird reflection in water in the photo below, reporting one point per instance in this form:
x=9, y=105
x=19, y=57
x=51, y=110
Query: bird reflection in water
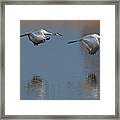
x=36, y=87
x=92, y=84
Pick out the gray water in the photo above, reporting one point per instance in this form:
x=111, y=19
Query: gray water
x=67, y=71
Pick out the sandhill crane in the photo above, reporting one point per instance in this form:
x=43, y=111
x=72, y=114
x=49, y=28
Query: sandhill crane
x=91, y=42
x=39, y=36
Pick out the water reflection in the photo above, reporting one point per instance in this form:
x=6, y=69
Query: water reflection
x=84, y=88
x=36, y=87
x=91, y=83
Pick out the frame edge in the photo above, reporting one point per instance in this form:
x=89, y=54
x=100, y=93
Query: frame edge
x=2, y=75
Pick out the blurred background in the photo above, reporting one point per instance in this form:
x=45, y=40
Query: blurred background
x=56, y=70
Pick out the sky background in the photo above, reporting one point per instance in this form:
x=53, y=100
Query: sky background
x=63, y=67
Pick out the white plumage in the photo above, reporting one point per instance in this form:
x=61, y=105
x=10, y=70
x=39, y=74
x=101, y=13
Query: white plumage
x=39, y=36
x=91, y=42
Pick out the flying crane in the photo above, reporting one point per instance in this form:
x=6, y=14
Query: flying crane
x=91, y=42
x=39, y=36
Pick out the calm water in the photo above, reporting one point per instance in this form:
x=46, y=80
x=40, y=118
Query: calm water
x=67, y=71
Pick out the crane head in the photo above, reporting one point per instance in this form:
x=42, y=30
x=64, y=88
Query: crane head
x=96, y=35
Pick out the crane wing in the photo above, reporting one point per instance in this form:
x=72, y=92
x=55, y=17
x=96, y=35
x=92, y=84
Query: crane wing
x=90, y=43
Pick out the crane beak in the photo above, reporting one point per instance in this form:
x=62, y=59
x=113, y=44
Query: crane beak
x=58, y=34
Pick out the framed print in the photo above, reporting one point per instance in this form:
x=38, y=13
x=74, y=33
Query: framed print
x=59, y=59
